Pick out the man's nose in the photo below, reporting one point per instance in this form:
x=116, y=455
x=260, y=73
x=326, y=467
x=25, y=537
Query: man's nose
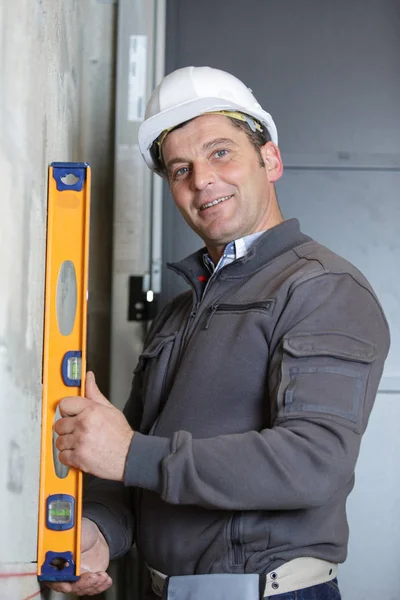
x=202, y=175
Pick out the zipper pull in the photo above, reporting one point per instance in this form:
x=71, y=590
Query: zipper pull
x=212, y=310
x=193, y=313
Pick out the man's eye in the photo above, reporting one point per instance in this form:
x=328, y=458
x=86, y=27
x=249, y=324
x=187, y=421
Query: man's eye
x=221, y=153
x=180, y=172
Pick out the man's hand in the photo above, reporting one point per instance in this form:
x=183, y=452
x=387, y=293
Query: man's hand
x=95, y=557
x=94, y=435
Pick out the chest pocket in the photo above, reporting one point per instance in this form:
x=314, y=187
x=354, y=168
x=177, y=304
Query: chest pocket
x=265, y=306
x=154, y=366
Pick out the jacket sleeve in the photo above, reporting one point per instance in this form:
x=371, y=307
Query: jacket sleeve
x=327, y=357
x=110, y=505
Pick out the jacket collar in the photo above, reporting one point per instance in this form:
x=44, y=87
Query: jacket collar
x=270, y=245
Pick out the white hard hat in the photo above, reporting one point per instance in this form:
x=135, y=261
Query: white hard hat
x=190, y=92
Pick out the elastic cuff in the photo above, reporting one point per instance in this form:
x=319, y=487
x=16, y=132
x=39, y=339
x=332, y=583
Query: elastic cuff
x=143, y=462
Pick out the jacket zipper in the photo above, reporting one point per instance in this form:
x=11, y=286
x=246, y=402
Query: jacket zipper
x=226, y=307
x=266, y=305
x=235, y=539
x=192, y=316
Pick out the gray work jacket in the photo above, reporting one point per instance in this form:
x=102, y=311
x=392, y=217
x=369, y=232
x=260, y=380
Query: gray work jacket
x=249, y=403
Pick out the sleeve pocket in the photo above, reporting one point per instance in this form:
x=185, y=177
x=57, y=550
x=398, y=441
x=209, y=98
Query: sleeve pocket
x=325, y=375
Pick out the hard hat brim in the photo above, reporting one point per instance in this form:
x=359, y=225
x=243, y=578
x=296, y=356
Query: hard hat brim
x=151, y=128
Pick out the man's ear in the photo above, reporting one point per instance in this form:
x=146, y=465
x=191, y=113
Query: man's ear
x=273, y=161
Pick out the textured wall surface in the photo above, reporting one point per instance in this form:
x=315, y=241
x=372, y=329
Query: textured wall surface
x=56, y=104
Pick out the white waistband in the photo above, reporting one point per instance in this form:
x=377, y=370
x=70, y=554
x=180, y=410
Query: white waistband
x=294, y=575
x=299, y=573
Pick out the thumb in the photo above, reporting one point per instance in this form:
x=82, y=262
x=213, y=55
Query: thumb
x=92, y=392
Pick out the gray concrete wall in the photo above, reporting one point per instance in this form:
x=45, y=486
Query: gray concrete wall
x=56, y=104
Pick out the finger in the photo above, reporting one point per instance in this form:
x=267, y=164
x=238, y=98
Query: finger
x=65, y=442
x=102, y=587
x=92, y=392
x=72, y=405
x=90, y=583
x=64, y=425
x=97, y=588
x=69, y=459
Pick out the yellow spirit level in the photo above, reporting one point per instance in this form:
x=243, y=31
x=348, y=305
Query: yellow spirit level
x=64, y=365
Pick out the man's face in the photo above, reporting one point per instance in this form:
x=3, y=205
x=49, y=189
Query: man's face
x=217, y=182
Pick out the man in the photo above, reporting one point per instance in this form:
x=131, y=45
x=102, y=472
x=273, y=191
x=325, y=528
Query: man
x=237, y=450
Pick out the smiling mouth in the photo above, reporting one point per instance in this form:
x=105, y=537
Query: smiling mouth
x=215, y=202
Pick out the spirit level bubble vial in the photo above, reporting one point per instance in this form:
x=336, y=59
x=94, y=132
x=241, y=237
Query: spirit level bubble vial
x=60, y=512
x=64, y=365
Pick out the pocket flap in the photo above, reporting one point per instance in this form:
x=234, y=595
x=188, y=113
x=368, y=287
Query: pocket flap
x=154, y=348
x=330, y=343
